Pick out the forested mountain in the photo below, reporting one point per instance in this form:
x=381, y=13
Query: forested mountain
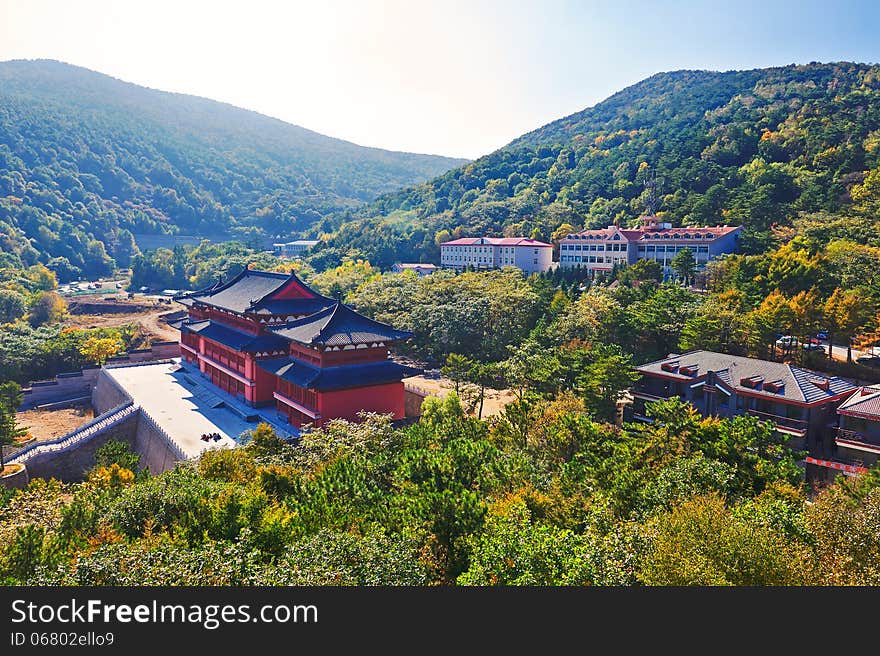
x=86, y=160
x=755, y=148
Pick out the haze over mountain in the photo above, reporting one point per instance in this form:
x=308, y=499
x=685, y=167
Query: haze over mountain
x=86, y=159
x=757, y=148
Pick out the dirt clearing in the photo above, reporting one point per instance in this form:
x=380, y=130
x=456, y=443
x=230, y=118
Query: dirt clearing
x=49, y=424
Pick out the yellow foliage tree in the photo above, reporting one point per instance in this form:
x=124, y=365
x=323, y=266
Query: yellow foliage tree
x=846, y=312
x=100, y=349
x=113, y=476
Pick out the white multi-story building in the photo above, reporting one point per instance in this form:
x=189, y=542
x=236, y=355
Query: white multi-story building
x=294, y=248
x=529, y=255
x=600, y=250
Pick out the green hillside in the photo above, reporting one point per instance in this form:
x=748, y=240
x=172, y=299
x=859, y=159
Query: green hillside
x=755, y=148
x=86, y=159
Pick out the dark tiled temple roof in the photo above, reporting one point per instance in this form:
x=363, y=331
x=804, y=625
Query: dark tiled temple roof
x=250, y=289
x=353, y=375
x=295, y=306
x=775, y=380
x=338, y=325
x=234, y=339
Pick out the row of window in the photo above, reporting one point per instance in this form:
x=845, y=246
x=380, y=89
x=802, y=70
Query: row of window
x=671, y=249
x=482, y=249
x=474, y=260
x=742, y=402
x=594, y=247
x=592, y=258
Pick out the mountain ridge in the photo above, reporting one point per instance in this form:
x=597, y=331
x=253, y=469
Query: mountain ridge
x=103, y=156
x=755, y=148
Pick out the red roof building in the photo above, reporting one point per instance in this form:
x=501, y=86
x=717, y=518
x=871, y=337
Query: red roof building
x=602, y=249
x=529, y=255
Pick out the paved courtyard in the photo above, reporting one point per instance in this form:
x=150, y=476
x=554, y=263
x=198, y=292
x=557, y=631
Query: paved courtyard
x=186, y=406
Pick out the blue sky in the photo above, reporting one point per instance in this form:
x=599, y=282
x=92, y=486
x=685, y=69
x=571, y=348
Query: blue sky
x=455, y=77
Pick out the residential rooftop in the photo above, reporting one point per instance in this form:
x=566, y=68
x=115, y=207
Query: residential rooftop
x=772, y=380
x=864, y=403
x=496, y=241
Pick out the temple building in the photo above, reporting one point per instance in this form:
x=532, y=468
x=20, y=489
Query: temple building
x=269, y=339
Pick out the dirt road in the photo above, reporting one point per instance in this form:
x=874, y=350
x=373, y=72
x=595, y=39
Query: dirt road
x=151, y=325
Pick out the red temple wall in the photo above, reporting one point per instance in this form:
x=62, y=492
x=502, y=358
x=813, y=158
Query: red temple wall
x=353, y=356
x=307, y=355
x=345, y=404
x=265, y=385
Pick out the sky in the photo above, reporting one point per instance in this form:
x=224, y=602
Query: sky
x=452, y=77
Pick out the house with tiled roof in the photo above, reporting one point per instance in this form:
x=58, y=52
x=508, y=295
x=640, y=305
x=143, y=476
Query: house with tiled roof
x=530, y=255
x=599, y=251
x=798, y=402
x=858, y=437
x=269, y=339
x=421, y=268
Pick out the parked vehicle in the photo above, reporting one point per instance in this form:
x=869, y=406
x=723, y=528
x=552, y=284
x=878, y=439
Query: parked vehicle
x=822, y=334
x=786, y=341
x=869, y=360
x=813, y=346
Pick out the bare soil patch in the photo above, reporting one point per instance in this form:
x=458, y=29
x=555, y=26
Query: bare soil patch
x=48, y=424
x=149, y=321
x=493, y=403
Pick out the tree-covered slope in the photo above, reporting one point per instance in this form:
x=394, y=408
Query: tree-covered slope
x=84, y=156
x=741, y=147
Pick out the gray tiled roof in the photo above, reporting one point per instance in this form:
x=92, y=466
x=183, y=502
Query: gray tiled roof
x=795, y=383
x=338, y=325
x=866, y=401
x=234, y=339
x=247, y=291
x=355, y=375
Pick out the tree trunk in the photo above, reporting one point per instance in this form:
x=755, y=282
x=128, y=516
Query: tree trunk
x=849, y=350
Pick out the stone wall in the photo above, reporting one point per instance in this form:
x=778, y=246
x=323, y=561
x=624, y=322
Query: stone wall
x=155, y=452
x=16, y=480
x=70, y=465
x=64, y=386
x=413, y=399
x=164, y=350
x=81, y=383
x=107, y=394
x=80, y=305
